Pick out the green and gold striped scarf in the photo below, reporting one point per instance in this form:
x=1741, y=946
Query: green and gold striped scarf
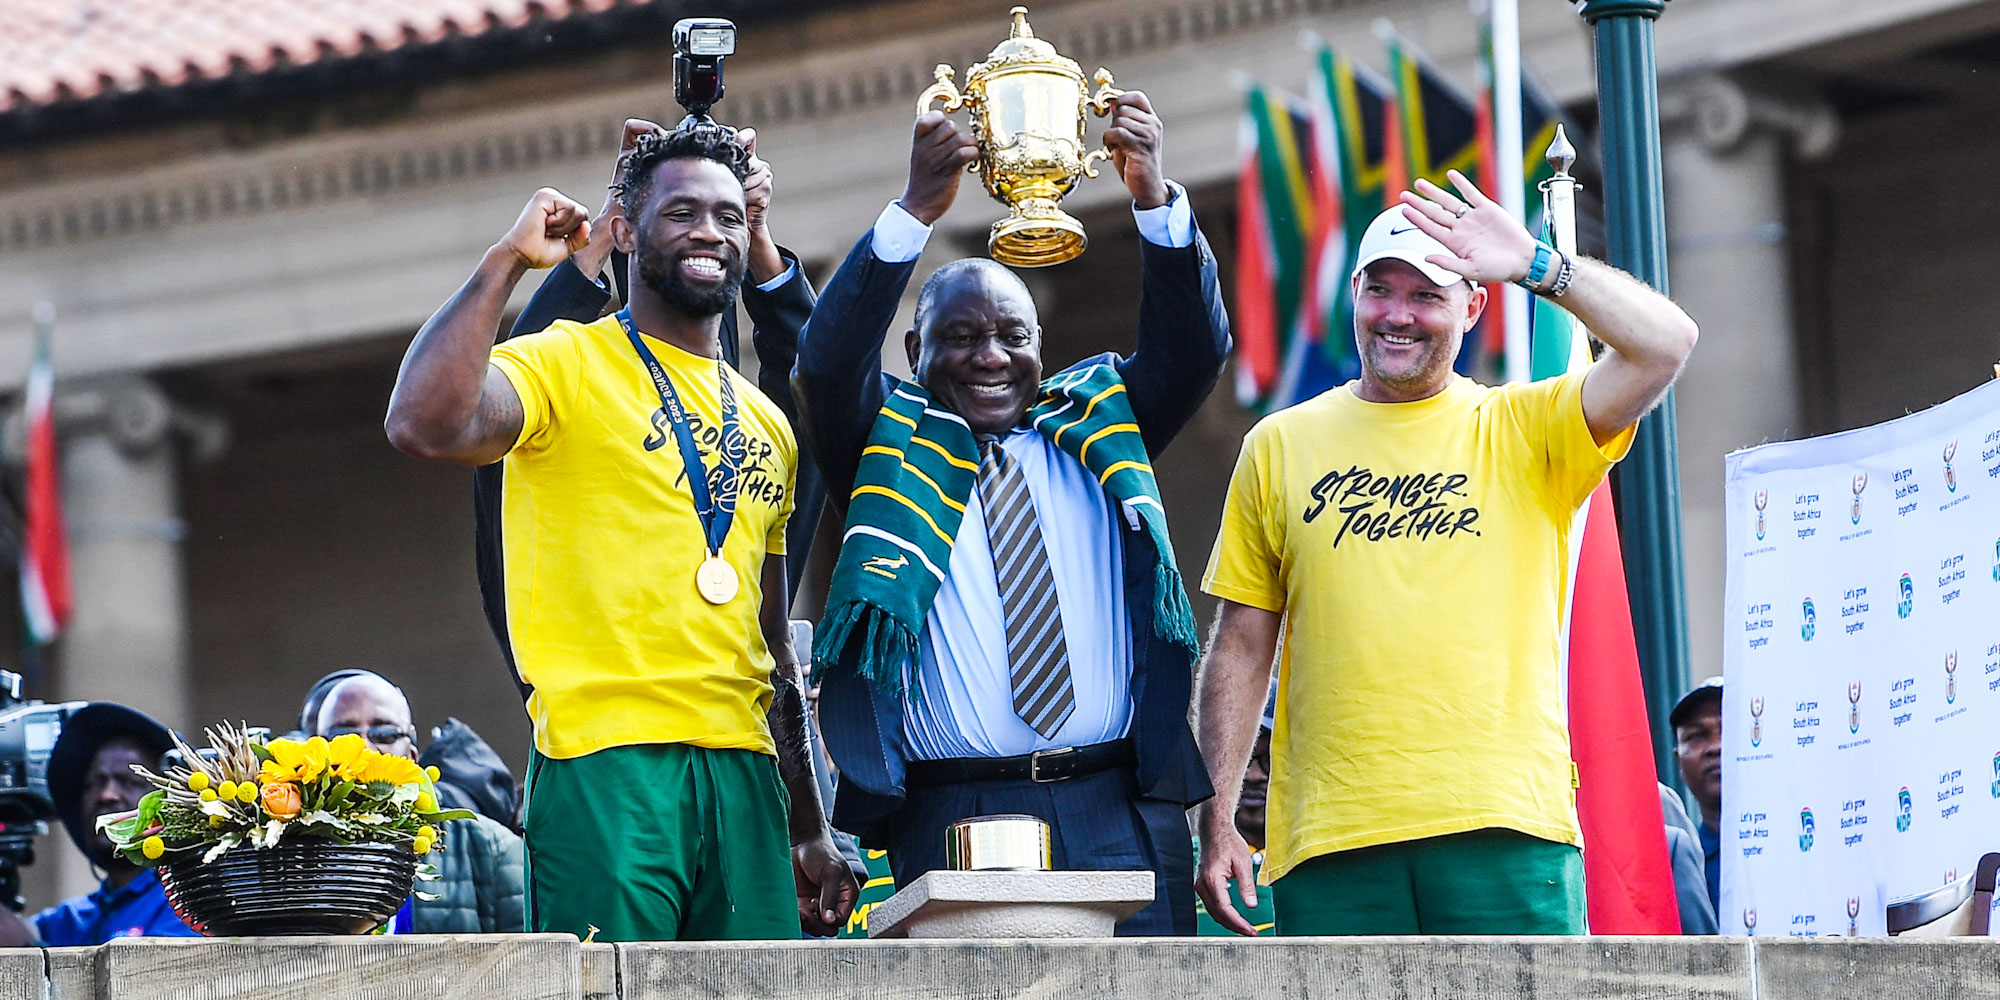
x=915, y=476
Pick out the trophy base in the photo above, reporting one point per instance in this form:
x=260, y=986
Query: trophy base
x=1036, y=236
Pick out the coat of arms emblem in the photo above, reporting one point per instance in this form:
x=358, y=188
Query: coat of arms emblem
x=1757, y=722
x=1860, y=483
x=1760, y=501
x=1950, y=474
x=1854, y=707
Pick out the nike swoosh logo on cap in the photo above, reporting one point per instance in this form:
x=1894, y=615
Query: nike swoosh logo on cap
x=1405, y=229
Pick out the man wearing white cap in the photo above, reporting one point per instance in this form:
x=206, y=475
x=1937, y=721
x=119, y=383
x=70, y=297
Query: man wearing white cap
x=1411, y=528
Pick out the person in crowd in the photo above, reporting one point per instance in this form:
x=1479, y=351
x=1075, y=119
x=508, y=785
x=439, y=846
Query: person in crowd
x=1006, y=631
x=1421, y=746
x=90, y=776
x=644, y=502
x=471, y=774
x=1697, y=723
x=1684, y=855
x=479, y=889
x=1250, y=815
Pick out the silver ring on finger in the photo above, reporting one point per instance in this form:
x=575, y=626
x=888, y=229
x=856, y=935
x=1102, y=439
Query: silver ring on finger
x=1462, y=209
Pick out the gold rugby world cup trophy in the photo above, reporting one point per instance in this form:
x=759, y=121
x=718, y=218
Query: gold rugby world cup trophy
x=1028, y=103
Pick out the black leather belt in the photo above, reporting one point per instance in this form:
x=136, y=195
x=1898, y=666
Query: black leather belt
x=1043, y=766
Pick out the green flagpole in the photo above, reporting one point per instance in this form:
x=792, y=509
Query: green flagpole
x=1628, y=103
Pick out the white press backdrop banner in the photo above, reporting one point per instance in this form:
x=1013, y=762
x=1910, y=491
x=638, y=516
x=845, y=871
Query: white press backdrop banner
x=1861, y=697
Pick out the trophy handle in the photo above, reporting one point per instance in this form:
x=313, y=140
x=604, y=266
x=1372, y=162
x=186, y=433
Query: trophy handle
x=1100, y=103
x=943, y=89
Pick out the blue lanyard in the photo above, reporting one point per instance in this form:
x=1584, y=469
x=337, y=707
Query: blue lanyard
x=716, y=512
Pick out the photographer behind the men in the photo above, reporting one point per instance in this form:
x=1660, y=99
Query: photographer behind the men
x=90, y=775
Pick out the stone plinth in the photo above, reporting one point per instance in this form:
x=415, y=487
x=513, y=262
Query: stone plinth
x=1010, y=904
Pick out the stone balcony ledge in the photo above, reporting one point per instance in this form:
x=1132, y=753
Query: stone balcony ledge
x=556, y=967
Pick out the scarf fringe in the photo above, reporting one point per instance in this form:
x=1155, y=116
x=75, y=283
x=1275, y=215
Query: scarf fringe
x=886, y=645
x=1173, y=617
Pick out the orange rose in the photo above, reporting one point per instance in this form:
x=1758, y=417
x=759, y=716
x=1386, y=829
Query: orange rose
x=281, y=799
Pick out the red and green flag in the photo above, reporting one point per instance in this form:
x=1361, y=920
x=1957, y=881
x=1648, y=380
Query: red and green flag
x=1273, y=316
x=1354, y=117
x=45, y=587
x=1628, y=878
x=1439, y=129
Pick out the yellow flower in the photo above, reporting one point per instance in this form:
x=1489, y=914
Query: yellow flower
x=346, y=754
x=227, y=789
x=422, y=845
x=198, y=781
x=215, y=821
x=208, y=795
x=246, y=793
x=390, y=768
x=426, y=804
x=295, y=761
x=153, y=847
x=428, y=832
x=433, y=773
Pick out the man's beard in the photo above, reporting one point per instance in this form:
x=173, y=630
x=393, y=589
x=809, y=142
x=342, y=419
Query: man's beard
x=1435, y=364
x=679, y=295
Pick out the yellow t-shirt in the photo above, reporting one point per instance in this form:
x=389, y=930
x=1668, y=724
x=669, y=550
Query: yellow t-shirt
x=1420, y=554
x=601, y=543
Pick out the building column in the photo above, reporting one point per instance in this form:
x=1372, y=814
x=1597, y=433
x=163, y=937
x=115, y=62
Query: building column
x=127, y=639
x=1726, y=151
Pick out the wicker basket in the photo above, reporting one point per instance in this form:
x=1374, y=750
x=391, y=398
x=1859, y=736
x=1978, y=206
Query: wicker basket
x=303, y=886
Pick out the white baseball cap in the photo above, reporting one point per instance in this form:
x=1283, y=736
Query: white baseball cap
x=1393, y=235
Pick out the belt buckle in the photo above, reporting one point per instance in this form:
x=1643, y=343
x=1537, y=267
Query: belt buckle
x=1035, y=763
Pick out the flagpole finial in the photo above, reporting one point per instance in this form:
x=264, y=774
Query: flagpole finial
x=1561, y=154
x=44, y=313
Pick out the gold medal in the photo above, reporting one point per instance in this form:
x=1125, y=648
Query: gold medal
x=716, y=580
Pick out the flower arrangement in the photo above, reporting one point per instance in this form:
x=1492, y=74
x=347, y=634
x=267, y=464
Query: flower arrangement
x=247, y=790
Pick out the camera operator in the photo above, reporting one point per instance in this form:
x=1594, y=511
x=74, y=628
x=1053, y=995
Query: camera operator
x=90, y=775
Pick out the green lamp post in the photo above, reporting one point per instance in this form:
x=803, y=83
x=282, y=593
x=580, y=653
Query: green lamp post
x=1628, y=102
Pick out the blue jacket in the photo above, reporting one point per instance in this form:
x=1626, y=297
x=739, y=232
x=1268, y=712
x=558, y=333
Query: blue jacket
x=138, y=909
x=1183, y=338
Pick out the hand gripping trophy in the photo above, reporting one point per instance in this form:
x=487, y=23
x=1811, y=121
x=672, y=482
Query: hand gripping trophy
x=1028, y=104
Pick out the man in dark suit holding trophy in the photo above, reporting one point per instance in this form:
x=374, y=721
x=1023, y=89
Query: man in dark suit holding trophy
x=1006, y=631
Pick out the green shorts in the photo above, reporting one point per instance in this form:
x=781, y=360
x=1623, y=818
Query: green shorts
x=660, y=842
x=1483, y=882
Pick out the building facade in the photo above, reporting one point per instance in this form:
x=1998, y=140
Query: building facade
x=240, y=249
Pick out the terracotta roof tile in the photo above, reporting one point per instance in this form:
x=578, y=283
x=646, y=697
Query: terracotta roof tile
x=73, y=49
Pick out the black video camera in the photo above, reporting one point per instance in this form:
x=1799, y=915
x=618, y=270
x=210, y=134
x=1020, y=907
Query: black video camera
x=700, y=43
x=28, y=731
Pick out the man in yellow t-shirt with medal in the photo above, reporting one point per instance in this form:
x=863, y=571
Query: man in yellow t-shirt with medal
x=646, y=491
x=1410, y=532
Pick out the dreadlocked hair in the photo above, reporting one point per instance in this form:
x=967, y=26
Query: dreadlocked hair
x=699, y=142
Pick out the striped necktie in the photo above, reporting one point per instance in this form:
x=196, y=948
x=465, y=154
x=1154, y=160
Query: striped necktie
x=1037, y=656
